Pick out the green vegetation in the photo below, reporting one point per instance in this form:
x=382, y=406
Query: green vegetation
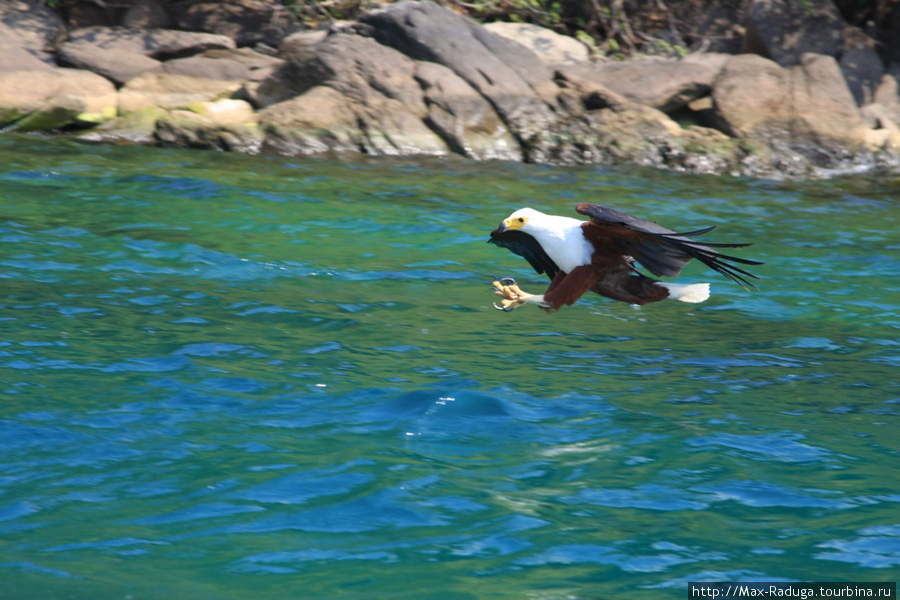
x=611, y=27
x=615, y=28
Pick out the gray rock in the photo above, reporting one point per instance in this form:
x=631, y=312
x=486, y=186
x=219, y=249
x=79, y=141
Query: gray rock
x=15, y=57
x=299, y=40
x=356, y=66
x=37, y=28
x=161, y=44
x=57, y=93
x=116, y=65
x=551, y=47
x=162, y=90
x=784, y=30
x=861, y=65
x=257, y=62
x=507, y=74
x=57, y=112
x=661, y=83
x=181, y=130
x=326, y=120
x=134, y=127
x=465, y=121
x=887, y=94
x=803, y=105
x=223, y=69
x=347, y=93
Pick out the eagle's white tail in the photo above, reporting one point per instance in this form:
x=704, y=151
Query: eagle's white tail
x=687, y=292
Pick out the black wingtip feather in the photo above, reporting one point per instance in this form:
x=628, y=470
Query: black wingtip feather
x=712, y=259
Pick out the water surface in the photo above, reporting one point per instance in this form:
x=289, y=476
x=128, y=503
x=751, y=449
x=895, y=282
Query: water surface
x=227, y=376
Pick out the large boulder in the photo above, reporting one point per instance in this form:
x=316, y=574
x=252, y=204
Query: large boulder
x=356, y=66
x=326, y=120
x=260, y=65
x=163, y=90
x=551, y=47
x=511, y=77
x=35, y=27
x=44, y=100
x=887, y=94
x=347, y=93
x=15, y=55
x=161, y=44
x=605, y=126
x=785, y=30
x=223, y=69
x=185, y=129
x=299, y=40
x=116, y=65
x=462, y=117
x=807, y=104
x=661, y=83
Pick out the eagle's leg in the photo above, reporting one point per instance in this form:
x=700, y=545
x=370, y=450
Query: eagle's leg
x=512, y=294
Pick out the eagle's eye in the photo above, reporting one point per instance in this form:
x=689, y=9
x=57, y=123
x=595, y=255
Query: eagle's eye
x=521, y=219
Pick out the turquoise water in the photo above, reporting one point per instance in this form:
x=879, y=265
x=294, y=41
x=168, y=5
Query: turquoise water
x=227, y=376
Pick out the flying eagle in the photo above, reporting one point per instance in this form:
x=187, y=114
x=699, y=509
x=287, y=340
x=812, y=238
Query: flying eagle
x=600, y=255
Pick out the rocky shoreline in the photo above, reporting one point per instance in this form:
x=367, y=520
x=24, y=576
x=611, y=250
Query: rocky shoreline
x=417, y=79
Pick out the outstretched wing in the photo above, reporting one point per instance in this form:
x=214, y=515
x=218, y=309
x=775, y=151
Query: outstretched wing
x=527, y=247
x=661, y=251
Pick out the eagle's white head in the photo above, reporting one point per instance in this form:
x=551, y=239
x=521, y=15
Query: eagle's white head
x=560, y=237
x=526, y=219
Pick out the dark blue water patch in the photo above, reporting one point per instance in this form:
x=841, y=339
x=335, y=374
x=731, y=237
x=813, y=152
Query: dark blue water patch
x=15, y=436
x=106, y=544
x=195, y=513
x=326, y=347
x=152, y=364
x=184, y=187
x=40, y=265
x=138, y=267
x=499, y=544
x=30, y=567
x=300, y=487
x=781, y=447
x=390, y=508
x=875, y=547
x=648, y=496
x=269, y=309
x=293, y=561
x=17, y=510
x=607, y=555
x=39, y=176
x=237, y=385
x=400, y=349
x=761, y=494
x=206, y=349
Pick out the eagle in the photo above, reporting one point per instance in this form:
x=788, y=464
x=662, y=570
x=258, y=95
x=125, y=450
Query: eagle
x=600, y=255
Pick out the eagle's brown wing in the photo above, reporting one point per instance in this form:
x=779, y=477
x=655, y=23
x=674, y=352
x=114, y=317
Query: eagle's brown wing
x=661, y=251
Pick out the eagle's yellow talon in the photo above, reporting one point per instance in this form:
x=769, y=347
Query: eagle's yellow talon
x=513, y=296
